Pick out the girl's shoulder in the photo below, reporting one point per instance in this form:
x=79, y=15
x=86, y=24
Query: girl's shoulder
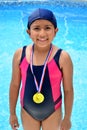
x=19, y=51
x=65, y=55
x=65, y=59
x=17, y=56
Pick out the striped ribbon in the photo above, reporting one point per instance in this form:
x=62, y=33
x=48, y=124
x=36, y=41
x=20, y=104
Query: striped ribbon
x=39, y=87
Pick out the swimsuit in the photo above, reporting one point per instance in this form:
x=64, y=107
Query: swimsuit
x=51, y=87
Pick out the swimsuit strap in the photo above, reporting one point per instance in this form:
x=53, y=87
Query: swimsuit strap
x=57, y=56
x=23, y=53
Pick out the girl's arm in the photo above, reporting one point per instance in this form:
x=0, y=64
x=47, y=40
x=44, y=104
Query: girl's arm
x=14, y=88
x=67, y=69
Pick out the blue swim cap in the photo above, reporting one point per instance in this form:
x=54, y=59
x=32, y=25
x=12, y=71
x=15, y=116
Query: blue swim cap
x=42, y=14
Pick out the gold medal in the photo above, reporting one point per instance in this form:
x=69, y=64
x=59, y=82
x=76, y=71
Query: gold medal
x=38, y=97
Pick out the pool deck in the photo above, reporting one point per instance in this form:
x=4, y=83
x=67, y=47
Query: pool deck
x=40, y=0
x=75, y=0
x=18, y=1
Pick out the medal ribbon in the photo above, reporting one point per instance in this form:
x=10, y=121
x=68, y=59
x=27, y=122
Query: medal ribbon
x=39, y=87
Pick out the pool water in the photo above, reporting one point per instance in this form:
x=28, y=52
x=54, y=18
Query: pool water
x=72, y=37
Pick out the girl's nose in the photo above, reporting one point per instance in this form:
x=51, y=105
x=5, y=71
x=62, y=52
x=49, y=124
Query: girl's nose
x=42, y=32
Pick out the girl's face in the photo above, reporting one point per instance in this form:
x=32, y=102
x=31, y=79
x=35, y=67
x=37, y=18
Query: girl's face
x=42, y=32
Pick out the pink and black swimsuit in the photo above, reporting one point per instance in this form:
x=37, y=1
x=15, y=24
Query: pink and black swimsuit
x=51, y=88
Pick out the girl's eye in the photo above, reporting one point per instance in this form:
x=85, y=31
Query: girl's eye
x=37, y=28
x=47, y=28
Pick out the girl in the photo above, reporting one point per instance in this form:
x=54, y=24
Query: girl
x=41, y=67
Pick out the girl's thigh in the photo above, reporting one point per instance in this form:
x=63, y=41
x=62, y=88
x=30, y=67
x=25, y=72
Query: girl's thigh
x=53, y=121
x=28, y=122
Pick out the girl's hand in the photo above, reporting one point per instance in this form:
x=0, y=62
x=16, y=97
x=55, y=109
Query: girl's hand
x=14, y=122
x=65, y=124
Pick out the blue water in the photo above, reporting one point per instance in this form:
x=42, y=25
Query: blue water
x=72, y=37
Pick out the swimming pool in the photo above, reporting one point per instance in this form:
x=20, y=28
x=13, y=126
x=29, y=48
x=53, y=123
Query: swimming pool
x=72, y=37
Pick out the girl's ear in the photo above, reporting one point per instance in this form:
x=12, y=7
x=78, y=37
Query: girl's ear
x=56, y=30
x=28, y=31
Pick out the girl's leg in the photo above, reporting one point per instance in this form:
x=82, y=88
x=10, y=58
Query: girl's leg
x=53, y=122
x=28, y=122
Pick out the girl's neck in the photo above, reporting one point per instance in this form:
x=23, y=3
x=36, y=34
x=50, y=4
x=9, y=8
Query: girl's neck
x=41, y=50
